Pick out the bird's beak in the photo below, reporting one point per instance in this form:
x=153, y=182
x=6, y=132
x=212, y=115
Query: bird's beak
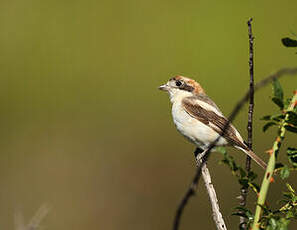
x=164, y=87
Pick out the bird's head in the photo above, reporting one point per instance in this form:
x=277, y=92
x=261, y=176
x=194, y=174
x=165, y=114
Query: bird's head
x=180, y=85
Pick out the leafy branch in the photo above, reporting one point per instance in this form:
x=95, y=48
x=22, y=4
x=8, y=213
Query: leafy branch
x=286, y=121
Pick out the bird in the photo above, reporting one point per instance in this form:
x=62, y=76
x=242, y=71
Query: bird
x=200, y=120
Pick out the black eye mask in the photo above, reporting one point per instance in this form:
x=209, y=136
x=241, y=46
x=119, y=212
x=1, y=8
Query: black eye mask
x=178, y=83
x=187, y=87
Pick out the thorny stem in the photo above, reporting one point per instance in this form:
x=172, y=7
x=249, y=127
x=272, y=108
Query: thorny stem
x=271, y=165
x=191, y=189
x=244, y=190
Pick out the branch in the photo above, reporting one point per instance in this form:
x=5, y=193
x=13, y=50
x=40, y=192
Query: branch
x=216, y=214
x=251, y=95
x=244, y=190
x=271, y=165
x=191, y=190
x=34, y=223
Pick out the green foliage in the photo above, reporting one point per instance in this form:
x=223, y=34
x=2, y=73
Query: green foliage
x=278, y=97
x=244, y=212
x=284, y=172
x=280, y=218
x=244, y=178
x=277, y=119
x=292, y=156
x=289, y=42
x=268, y=125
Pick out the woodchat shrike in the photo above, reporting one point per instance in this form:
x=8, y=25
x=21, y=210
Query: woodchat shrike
x=199, y=119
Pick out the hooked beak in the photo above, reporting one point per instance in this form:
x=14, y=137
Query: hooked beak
x=164, y=87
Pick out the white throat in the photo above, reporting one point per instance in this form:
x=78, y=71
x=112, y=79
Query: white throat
x=176, y=95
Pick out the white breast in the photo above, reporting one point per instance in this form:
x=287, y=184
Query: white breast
x=194, y=130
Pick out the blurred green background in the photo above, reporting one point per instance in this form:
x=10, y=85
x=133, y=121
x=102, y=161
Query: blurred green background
x=83, y=126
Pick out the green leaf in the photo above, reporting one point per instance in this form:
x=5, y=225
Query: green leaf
x=278, y=165
x=288, y=42
x=292, y=118
x=290, y=128
x=283, y=224
x=268, y=125
x=292, y=155
x=277, y=89
x=272, y=223
x=287, y=102
x=244, y=182
x=278, y=102
x=221, y=149
x=277, y=117
x=255, y=187
x=266, y=118
x=285, y=172
x=290, y=188
x=252, y=176
x=241, y=211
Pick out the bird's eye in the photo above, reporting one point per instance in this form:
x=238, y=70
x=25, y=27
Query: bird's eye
x=178, y=83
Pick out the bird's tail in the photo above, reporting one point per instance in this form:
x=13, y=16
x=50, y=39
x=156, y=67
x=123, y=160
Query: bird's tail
x=254, y=156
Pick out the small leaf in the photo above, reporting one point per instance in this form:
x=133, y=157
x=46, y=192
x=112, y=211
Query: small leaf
x=266, y=118
x=292, y=155
x=239, y=214
x=278, y=102
x=242, y=172
x=290, y=128
x=272, y=223
x=278, y=91
x=277, y=117
x=255, y=187
x=287, y=102
x=268, y=125
x=221, y=149
x=285, y=172
x=241, y=211
x=244, y=182
x=283, y=224
x=290, y=188
x=288, y=42
x=292, y=118
x=252, y=176
x=278, y=165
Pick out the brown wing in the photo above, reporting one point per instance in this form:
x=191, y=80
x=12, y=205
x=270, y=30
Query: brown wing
x=215, y=121
x=203, y=97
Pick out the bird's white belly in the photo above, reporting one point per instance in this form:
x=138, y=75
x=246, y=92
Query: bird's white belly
x=194, y=130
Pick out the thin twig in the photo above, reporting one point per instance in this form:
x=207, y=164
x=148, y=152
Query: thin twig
x=251, y=94
x=244, y=190
x=34, y=223
x=191, y=190
x=216, y=214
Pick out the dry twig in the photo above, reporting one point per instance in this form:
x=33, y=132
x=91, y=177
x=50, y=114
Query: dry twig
x=34, y=222
x=216, y=214
x=244, y=190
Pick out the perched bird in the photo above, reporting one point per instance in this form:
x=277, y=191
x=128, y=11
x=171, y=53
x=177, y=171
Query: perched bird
x=199, y=119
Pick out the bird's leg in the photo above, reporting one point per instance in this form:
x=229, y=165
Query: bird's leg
x=199, y=156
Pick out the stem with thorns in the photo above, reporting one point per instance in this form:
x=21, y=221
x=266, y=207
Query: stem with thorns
x=271, y=165
x=244, y=190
